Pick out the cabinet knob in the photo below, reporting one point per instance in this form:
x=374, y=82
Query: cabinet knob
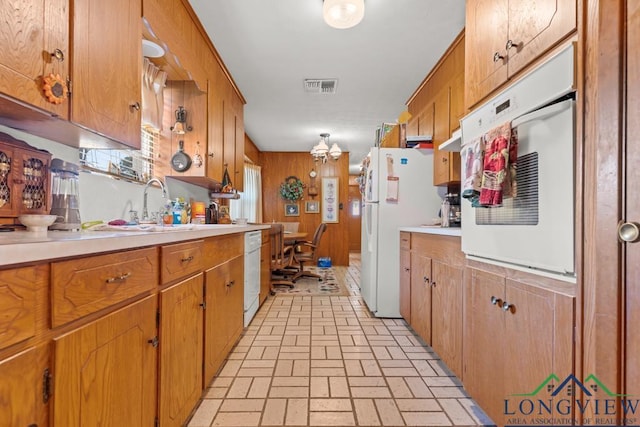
x=433, y=284
x=628, y=232
x=497, y=57
x=211, y=154
x=511, y=44
x=153, y=341
x=135, y=106
x=407, y=269
x=58, y=54
x=445, y=160
x=426, y=279
x=506, y=306
x=494, y=300
x=187, y=259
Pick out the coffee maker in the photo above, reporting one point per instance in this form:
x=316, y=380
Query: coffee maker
x=65, y=194
x=455, y=220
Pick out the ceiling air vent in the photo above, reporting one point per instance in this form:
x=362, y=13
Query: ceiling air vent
x=326, y=86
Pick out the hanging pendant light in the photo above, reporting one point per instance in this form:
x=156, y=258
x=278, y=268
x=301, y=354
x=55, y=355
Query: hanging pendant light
x=322, y=152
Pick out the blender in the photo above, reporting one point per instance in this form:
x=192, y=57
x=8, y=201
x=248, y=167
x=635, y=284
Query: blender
x=64, y=195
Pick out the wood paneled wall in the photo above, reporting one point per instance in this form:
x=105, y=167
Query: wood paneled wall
x=277, y=166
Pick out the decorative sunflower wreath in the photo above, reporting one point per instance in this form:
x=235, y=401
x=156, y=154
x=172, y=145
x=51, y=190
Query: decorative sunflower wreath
x=54, y=88
x=292, y=189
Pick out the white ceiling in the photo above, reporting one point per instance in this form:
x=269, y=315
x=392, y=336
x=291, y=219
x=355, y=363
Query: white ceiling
x=271, y=46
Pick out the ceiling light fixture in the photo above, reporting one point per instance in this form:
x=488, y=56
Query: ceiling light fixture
x=180, y=127
x=322, y=152
x=343, y=14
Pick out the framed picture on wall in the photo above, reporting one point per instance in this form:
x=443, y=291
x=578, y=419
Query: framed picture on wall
x=291, y=209
x=330, y=191
x=312, y=206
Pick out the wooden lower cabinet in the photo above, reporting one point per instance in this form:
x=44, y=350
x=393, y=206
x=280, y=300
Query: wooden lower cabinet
x=435, y=275
x=21, y=388
x=518, y=336
x=105, y=371
x=447, y=313
x=421, y=295
x=405, y=276
x=223, y=320
x=181, y=349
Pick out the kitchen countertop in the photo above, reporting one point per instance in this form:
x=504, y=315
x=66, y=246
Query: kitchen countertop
x=20, y=247
x=434, y=229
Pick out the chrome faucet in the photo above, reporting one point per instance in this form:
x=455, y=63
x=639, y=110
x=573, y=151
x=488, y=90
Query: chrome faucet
x=145, y=211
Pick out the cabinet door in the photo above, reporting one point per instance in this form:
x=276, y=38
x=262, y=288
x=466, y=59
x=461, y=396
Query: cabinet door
x=215, y=140
x=224, y=314
x=421, y=296
x=535, y=26
x=441, y=161
x=106, y=71
x=446, y=314
x=425, y=120
x=33, y=182
x=484, y=341
x=21, y=391
x=8, y=200
x=181, y=318
x=235, y=300
x=405, y=284
x=486, y=33
x=105, y=372
x=538, y=337
x=32, y=30
x=215, y=320
x=239, y=149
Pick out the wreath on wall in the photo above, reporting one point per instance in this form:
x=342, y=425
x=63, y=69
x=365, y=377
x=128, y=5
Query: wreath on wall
x=292, y=189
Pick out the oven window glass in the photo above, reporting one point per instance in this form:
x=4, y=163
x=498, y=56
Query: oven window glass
x=522, y=209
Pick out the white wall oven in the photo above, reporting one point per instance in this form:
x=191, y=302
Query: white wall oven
x=535, y=229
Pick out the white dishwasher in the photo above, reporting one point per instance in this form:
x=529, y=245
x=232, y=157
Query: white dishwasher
x=252, y=243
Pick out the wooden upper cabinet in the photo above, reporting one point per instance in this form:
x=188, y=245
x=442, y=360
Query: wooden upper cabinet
x=106, y=68
x=31, y=31
x=504, y=36
x=441, y=159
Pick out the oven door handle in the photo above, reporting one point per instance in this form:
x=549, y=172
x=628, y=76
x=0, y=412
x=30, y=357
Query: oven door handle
x=542, y=113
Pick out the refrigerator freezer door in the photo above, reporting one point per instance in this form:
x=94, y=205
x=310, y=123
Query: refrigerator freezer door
x=371, y=193
x=369, y=260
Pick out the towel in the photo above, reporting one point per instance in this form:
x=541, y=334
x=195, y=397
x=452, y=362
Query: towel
x=495, y=166
x=472, y=156
x=510, y=188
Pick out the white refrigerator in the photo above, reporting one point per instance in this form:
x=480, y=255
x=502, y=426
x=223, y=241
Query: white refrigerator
x=398, y=192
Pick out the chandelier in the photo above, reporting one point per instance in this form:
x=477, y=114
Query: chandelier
x=322, y=151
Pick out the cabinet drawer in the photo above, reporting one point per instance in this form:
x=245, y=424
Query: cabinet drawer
x=83, y=286
x=444, y=248
x=18, y=293
x=181, y=260
x=405, y=240
x=222, y=248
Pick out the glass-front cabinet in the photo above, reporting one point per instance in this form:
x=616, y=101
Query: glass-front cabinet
x=24, y=178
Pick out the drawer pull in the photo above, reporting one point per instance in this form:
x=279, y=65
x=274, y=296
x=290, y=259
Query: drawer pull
x=120, y=278
x=187, y=259
x=497, y=57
